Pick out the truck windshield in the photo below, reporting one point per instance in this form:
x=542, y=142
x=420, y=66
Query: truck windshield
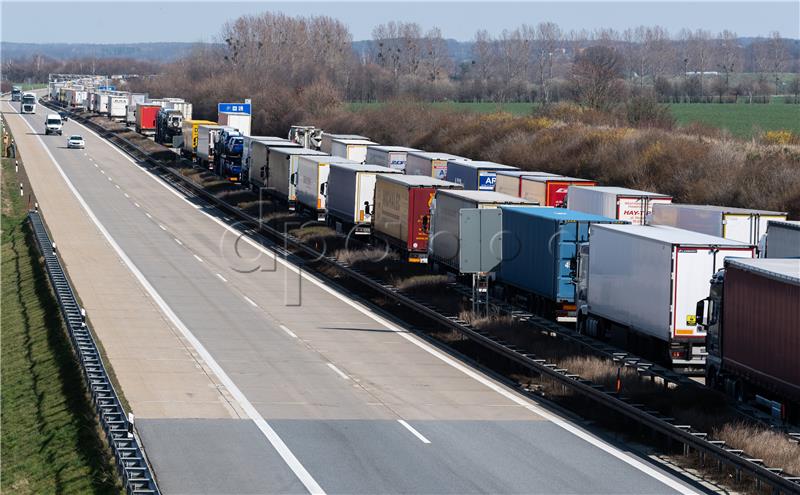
x=53, y=121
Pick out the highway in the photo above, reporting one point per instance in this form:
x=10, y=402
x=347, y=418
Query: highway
x=246, y=377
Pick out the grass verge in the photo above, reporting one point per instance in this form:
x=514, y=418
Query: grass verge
x=51, y=442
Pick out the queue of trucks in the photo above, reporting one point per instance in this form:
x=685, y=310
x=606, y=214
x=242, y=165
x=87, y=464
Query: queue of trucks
x=608, y=259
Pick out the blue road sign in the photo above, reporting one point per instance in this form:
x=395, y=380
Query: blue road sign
x=238, y=108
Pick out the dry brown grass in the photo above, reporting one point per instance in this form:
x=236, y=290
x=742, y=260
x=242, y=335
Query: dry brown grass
x=422, y=283
x=773, y=447
x=356, y=257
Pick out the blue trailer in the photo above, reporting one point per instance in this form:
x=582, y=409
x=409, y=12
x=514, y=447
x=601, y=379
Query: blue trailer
x=475, y=175
x=540, y=247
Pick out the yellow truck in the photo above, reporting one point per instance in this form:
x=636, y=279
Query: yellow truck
x=189, y=131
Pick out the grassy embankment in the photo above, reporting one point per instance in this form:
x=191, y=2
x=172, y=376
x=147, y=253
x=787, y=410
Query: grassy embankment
x=51, y=442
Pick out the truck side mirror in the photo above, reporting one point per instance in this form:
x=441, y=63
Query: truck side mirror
x=367, y=208
x=700, y=311
x=323, y=189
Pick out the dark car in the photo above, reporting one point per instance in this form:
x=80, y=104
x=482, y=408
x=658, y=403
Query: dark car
x=64, y=116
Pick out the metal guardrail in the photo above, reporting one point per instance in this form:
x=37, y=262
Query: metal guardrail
x=137, y=477
x=682, y=434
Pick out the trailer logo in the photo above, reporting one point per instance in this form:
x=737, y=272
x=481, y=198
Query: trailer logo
x=487, y=182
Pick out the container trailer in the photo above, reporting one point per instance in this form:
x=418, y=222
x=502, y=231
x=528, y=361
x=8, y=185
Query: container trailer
x=280, y=175
x=752, y=318
x=429, y=164
x=352, y=149
x=540, y=249
x=646, y=281
x=326, y=142
x=783, y=239
x=389, y=156
x=739, y=224
x=475, y=175
x=247, y=150
x=351, y=196
x=615, y=202
x=117, y=107
x=101, y=103
x=510, y=181
x=184, y=107
x=311, y=182
x=190, y=135
x=402, y=213
x=443, y=247
x=146, y=114
x=206, y=139
x=258, y=168
x=130, y=109
x=549, y=190
x=237, y=121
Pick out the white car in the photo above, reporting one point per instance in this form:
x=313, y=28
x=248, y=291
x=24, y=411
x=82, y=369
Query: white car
x=75, y=142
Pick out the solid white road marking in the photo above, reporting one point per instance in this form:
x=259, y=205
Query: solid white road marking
x=289, y=332
x=338, y=371
x=413, y=431
x=252, y=303
x=221, y=277
x=271, y=435
x=178, y=241
x=198, y=258
x=564, y=424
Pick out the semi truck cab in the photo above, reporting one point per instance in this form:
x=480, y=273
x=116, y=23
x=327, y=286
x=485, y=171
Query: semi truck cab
x=16, y=93
x=709, y=319
x=28, y=104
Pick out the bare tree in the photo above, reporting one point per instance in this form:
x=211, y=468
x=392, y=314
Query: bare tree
x=595, y=76
x=437, y=61
x=548, y=37
x=698, y=51
x=729, y=54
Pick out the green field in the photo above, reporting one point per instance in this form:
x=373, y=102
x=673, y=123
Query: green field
x=50, y=438
x=742, y=120
x=30, y=87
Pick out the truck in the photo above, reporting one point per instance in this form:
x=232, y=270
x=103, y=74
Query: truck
x=206, y=142
x=53, y=124
x=443, y=247
x=351, y=196
x=146, y=114
x=236, y=121
x=117, y=107
x=184, y=107
x=16, y=93
x=475, y=175
x=645, y=281
x=279, y=172
x=751, y=318
x=739, y=224
x=311, y=182
x=540, y=249
x=510, y=181
x=306, y=136
x=169, y=124
x=247, y=151
x=550, y=190
x=389, y=156
x=429, y=164
x=782, y=239
x=615, y=202
x=101, y=103
x=326, y=141
x=28, y=103
x=351, y=149
x=189, y=131
x=130, y=107
x=402, y=212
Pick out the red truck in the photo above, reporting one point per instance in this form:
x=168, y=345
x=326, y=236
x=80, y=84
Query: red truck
x=146, y=114
x=402, y=213
x=752, y=320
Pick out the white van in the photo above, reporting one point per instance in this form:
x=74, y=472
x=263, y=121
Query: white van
x=52, y=124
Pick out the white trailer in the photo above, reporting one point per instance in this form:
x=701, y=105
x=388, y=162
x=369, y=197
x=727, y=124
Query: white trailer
x=236, y=121
x=117, y=107
x=445, y=230
x=280, y=177
x=783, y=240
x=646, y=280
x=101, y=103
x=615, y=202
x=738, y=224
x=184, y=107
x=429, y=164
x=312, y=182
x=351, y=195
x=389, y=156
x=257, y=164
x=351, y=149
x=130, y=110
x=247, y=150
x=206, y=137
x=326, y=142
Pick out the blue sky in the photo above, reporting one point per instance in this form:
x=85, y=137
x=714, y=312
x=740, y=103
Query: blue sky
x=124, y=22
